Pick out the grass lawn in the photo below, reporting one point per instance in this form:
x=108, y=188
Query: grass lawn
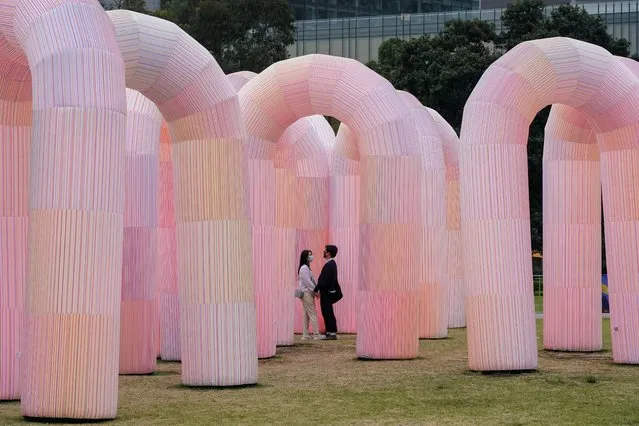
x=539, y=303
x=322, y=382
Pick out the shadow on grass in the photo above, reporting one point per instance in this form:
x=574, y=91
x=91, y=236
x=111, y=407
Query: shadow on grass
x=53, y=420
x=507, y=373
x=364, y=359
x=216, y=388
x=435, y=339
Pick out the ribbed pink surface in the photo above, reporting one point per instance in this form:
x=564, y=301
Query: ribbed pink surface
x=390, y=167
x=620, y=180
x=344, y=213
x=138, y=324
x=240, y=78
x=69, y=354
x=433, y=310
x=313, y=138
x=572, y=233
x=453, y=262
x=214, y=262
x=495, y=211
x=15, y=147
x=284, y=244
x=167, y=257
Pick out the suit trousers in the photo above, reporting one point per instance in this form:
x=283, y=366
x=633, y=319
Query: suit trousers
x=329, y=316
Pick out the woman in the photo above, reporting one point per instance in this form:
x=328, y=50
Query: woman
x=305, y=291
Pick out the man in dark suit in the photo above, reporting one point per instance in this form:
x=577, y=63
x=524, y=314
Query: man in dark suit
x=326, y=285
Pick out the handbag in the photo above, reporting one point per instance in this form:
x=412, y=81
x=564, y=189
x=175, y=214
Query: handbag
x=336, y=294
x=299, y=293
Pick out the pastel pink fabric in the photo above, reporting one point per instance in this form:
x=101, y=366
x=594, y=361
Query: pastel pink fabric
x=167, y=254
x=217, y=309
x=390, y=161
x=572, y=233
x=240, y=78
x=70, y=328
x=279, y=296
x=138, y=311
x=344, y=213
x=433, y=303
x=494, y=196
x=15, y=151
x=453, y=262
x=285, y=237
x=312, y=140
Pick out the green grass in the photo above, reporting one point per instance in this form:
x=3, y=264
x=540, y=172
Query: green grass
x=539, y=303
x=323, y=383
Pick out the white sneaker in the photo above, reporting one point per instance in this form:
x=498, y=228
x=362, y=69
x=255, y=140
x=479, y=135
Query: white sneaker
x=319, y=337
x=306, y=337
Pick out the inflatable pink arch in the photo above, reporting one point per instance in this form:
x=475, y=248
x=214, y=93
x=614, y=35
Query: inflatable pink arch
x=138, y=310
x=15, y=152
x=390, y=162
x=345, y=186
x=311, y=139
x=240, y=78
x=572, y=237
x=433, y=308
x=301, y=209
x=344, y=210
x=494, y=196
x=72, y=297
x=453, y=263
x=167, y=254
x=217, y=311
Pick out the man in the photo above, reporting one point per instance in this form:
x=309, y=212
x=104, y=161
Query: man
x=329, y=291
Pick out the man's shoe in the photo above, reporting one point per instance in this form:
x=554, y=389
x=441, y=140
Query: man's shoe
x=331, y=337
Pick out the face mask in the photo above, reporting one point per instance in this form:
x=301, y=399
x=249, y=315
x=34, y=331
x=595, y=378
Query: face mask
x=310, y=258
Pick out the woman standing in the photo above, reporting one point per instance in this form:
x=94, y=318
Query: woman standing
x=305, y=291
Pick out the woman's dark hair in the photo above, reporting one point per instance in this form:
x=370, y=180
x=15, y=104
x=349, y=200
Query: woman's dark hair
x=304, y=259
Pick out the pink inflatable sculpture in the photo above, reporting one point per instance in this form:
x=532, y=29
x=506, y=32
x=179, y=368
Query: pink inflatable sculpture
x=572, y=257
x=217, y=310
x=76, y=194
x=167, y=254
x=390, y=161
x=572, y=236
x=344, y=213
x=138, y=311
x=15, y=152
x=494, y=196
x=453, y=262
x=312, y=140
x=301, y=216
x=433, y=308
x=240, y=78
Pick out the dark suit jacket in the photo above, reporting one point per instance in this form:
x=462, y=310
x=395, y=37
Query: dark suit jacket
x=327, y=279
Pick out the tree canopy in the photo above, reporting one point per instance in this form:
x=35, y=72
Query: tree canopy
x=442, y=70
x=242, y=35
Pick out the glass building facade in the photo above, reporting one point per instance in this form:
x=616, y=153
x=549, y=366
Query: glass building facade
x=329, y=9
x=359, y=38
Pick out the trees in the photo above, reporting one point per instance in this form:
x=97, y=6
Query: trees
x=442, y=70
x=134, y=5
x=242, y=35
x=525, y=20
